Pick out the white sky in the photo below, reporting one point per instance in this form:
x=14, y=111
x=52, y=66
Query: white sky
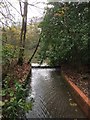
x=32, y=11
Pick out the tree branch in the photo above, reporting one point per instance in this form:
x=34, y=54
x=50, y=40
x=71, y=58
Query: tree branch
x=13, y=7
x=20, y=7
x=34, y=52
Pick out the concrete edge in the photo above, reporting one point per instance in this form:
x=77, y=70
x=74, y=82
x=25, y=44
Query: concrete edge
x=82, y=100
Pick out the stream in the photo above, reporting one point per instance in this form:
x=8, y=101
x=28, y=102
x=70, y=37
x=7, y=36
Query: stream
x=52, y=98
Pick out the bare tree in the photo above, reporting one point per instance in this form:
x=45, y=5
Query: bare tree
x=6, y=16
x=23, y=32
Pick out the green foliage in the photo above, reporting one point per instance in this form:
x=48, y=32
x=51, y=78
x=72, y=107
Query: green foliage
x=11, y=36
x=8, y=53
x=64, y=36
x=14, y=103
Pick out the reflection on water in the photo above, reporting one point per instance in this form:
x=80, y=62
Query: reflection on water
x=51, y=96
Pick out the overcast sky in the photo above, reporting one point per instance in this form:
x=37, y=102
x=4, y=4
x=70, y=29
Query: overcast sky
x=32, y=11
x=36, y=11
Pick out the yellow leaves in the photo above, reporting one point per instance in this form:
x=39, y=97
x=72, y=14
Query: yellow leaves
x=73, y=104
x=9, y=46
x=60, y=13
x=1, y=103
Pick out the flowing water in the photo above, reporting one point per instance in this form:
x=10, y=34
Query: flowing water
x=52, y=98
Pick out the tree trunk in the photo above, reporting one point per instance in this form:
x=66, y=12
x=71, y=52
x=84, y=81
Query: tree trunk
x=34, y=52
x=23, y=34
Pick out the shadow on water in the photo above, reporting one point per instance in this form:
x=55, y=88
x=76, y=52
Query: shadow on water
x=52, y=98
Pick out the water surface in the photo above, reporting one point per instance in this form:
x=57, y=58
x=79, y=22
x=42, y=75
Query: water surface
x=52, y=98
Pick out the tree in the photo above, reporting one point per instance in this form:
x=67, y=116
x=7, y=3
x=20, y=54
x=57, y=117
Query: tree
x=64, y=37
x=6, y=16
x=23, y=32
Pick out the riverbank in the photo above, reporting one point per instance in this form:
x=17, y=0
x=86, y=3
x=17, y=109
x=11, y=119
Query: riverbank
x=80, y=78
x=13, y=91
x=79, y=83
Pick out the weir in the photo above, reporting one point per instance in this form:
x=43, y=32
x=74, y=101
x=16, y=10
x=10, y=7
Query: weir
x=44, y=66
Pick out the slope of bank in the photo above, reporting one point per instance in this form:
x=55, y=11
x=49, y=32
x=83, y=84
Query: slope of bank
x=79, y=83
x=13, y=91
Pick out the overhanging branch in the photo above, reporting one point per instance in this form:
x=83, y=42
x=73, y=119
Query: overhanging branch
x=34, y=52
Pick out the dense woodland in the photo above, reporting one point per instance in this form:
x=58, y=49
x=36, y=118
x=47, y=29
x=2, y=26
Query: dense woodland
x=62, y=38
